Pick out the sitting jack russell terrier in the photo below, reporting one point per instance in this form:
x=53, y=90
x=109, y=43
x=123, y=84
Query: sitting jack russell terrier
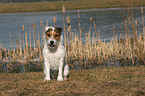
x=54, y=53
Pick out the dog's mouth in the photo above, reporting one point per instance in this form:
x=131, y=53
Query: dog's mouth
x=51, y=45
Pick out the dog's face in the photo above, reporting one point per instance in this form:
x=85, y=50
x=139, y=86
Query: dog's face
x=53, y=36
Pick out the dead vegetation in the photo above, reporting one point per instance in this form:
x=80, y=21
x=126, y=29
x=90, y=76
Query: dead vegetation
x=123, y=81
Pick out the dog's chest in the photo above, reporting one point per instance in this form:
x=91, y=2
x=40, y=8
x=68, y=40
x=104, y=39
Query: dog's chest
x=54, y=60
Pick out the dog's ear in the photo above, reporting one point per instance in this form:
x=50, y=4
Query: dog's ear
x=45, y=28
x=58, y=30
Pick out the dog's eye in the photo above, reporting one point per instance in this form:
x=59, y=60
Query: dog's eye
x=48, y=35
x=56, y=35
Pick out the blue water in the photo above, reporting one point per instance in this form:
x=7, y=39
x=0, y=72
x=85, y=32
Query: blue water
x=105, y=19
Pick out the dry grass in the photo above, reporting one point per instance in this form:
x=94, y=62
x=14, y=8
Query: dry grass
x=70, y=5
x=126, y=81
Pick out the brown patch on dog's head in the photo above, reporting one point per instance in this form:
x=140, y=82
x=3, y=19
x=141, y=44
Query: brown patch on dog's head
x=48, y=33
x=58, y=30
x=56, y=34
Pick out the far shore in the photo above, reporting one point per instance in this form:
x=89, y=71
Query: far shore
x=69, y=5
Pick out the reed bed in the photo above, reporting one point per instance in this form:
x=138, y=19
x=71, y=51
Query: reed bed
x=27, y=56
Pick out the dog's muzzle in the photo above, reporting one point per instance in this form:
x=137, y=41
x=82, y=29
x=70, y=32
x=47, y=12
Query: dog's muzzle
x=51, y=44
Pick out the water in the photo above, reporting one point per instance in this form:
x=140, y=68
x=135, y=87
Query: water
x=105, y=19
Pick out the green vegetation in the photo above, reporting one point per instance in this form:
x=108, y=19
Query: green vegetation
x=70, y=5
x=126, y=81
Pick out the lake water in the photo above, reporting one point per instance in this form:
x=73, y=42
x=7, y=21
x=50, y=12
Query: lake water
x=105, y=19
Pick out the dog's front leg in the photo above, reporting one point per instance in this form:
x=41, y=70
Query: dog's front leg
x=47, y=71
x=59, y=78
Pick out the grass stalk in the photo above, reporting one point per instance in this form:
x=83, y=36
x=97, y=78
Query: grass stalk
x=54, y=20
x=79, y=20
x=10, y=40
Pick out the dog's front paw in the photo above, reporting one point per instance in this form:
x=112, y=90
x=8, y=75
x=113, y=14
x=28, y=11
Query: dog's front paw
x=59, y=78
x=46, y=79
x=65, y=78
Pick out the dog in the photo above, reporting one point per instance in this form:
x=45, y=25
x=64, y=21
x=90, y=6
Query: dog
x=54, y=53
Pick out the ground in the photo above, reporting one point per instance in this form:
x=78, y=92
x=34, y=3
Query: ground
x=123, y=81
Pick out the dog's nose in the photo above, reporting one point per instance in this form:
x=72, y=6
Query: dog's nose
x=51, y=42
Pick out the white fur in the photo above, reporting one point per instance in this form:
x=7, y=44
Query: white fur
x=54, y=59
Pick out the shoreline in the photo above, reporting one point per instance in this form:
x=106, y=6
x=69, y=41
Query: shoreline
x=81, y=10
x=69, y=5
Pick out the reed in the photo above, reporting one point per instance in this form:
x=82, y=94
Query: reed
x=54, y=20
x=92, y=52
